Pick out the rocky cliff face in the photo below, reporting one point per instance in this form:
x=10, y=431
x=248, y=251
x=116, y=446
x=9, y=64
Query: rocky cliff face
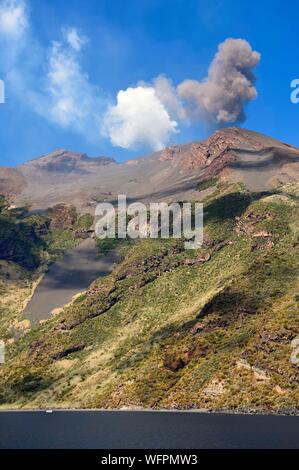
x=221, y=144
x=231, y=154
x=62, y=217
x=64, y=161
x=12, y=182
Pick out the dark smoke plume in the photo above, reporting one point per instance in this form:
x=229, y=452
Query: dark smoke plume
x=220, y=98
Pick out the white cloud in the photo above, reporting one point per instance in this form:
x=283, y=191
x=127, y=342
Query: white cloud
x=21, y=54
x=138, y=119
x=146, y=115
x=70, y=100
x=66, y=83
x=13, y=17
x=75, y=39
x=64, y=94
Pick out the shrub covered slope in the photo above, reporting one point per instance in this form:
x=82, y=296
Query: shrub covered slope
x=172, y=328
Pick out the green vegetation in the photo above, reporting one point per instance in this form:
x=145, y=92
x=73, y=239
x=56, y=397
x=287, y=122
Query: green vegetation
x=107, y=244
x=22, y=255
x=28, y=244
x=205, y=184
x=170, y=328
x=59, y=241
x=3, y=204
x=19, y=242
x=84, y=222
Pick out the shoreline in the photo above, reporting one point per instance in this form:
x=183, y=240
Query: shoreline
x=146, y=410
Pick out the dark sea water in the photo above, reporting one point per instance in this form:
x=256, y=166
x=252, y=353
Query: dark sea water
x=141, y=430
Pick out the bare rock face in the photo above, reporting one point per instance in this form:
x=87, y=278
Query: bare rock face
x=214, y=388
x=186, y=156
x=238, y=155
x=176, y=360
x=175, y=363
x=173, y=174
x=248, y=224
x=68, y=351
x=203, y=153
x=62, y=216
x=12, y=182
x=64, y=161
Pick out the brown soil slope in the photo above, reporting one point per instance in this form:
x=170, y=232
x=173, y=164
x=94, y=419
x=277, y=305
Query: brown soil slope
x=231, y=154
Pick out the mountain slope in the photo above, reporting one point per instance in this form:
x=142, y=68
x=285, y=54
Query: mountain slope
x=231, y=154
x=170, y=328
x=12, y=182
x=64, y=161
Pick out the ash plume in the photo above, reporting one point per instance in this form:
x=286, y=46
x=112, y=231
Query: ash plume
x=221, y=97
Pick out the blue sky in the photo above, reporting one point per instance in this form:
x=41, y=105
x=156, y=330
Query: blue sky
x=64, y=65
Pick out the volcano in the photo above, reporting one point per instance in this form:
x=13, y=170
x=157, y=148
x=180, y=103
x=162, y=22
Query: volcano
x=173, y=174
